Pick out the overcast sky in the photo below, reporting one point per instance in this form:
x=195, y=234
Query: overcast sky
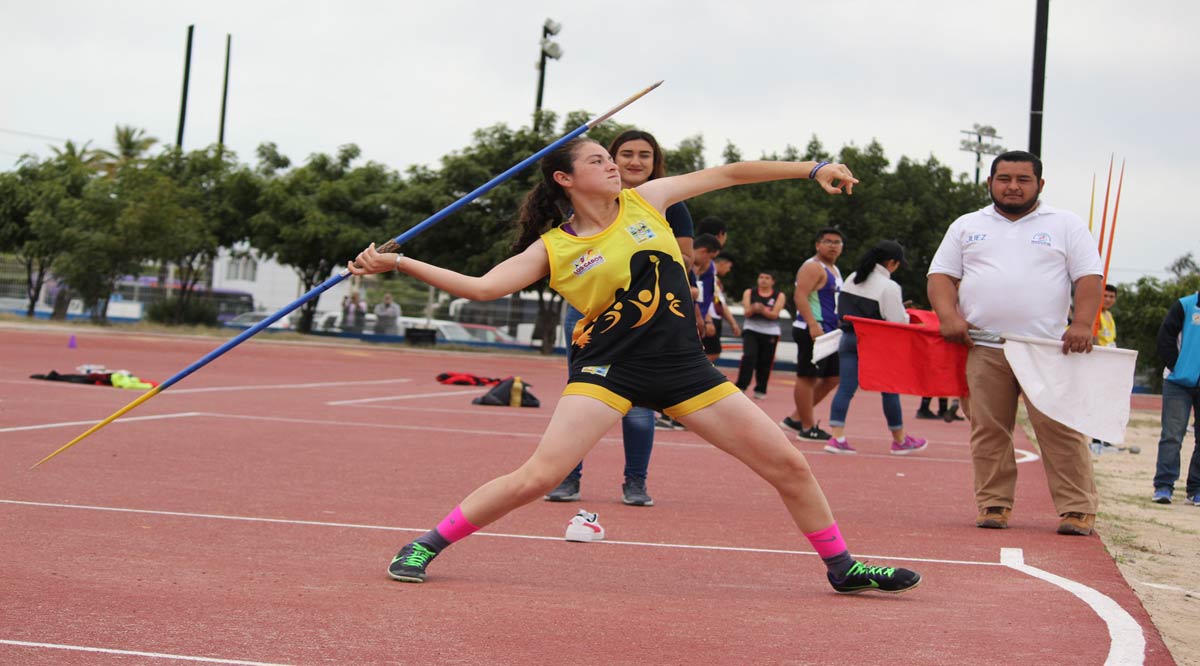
x=410, y=81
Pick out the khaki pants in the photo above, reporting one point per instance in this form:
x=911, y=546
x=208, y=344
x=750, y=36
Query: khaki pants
x=994, y=391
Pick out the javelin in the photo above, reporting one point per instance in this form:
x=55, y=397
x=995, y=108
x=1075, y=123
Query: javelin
x=390, y=246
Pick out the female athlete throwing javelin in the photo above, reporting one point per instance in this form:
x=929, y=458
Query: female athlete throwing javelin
x=636, y=344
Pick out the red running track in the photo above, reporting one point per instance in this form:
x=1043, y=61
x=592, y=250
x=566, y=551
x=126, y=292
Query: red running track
x=247, y=514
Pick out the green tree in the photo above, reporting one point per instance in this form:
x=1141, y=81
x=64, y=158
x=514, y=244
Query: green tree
x=1140, y=309
x=318, y=216
x=131, y=145
x=189, y=205
x=38, y=203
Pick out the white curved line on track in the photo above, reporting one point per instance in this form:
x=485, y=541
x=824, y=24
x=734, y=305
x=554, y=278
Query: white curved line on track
x=1127, y=643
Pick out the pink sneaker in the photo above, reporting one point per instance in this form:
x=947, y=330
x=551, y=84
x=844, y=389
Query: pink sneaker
x=843, y=447
x=909, y=445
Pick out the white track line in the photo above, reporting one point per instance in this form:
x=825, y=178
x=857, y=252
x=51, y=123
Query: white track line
x=410, y=396
x=260, y=387
x=1127, y=644
x=64, y=424
x=422, y=530
x=135, y=653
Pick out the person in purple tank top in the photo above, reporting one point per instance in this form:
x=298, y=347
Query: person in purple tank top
x=817, y=284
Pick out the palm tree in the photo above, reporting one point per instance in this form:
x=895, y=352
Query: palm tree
x=131, y=143
x=79, y=154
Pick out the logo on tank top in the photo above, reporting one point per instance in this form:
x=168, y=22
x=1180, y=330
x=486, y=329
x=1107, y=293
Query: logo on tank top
x=640, y=231
x=1041, y=238
x=587, y=262
x=601, y=370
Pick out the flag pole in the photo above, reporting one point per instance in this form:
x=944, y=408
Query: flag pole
x=1092, y=203
x=1104, y=212
x=1112, y=233
x=390, y=246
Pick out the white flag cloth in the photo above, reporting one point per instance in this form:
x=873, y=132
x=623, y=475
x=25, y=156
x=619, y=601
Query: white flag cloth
x=826, y=345
x=1086, y=392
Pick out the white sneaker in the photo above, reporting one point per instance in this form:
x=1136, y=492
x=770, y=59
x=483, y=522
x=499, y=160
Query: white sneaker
x=584, y=527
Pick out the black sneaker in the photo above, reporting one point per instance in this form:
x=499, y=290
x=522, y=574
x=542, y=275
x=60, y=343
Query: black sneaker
x=567, y=491
x=792, y=424
x=815, y=434
x=926, y=414
x=633, y=493
x=665, y=422
x=863, y=578
x=409, y=564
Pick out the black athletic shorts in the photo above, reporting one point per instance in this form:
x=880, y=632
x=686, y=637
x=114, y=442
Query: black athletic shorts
x=676, y=385
x=826, y=367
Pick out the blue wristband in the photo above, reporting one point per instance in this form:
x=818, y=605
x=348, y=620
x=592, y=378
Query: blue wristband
x=813, y=174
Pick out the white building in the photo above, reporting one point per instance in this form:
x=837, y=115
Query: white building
x=272, y=284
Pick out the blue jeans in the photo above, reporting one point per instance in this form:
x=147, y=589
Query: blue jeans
x=848, y=386
x=1178, y=404
x=637, y=426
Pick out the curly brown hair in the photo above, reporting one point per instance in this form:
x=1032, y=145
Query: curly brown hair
x=546, y=205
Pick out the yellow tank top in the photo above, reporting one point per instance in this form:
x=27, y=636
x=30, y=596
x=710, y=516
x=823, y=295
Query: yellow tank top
x=630, y=283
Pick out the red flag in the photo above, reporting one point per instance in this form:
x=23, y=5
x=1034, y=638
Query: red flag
x=912, y=359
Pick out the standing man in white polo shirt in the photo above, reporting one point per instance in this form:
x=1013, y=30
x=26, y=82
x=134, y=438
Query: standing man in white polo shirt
x=1010, y=268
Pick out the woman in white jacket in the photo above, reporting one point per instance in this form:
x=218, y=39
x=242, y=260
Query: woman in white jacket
x=869, y=293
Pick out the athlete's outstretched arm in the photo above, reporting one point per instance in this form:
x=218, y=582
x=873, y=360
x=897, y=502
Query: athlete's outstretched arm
x=662, y=192
x=516, y=272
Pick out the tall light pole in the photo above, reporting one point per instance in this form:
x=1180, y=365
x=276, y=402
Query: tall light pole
x=977, y=146
x=1041, y=20
x=549, y=49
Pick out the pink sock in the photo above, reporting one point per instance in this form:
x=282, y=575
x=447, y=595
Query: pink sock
x=828, y=542
x=455, y=526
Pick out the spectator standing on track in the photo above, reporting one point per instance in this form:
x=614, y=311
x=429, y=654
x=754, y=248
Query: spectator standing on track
x=721, y=312
x=387, y=316
x=706, y=248
x=639, y=159
x=760, y=335
x=1106, y=336
x=621, y=266
x=1179, y=349
x=1009, y=268
x=869, y=293
x=817, y=284
x=354, y=313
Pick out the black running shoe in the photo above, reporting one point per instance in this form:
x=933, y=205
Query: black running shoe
x=409, y=564
x=567, y=491
x=633, y=493
x=863, y=578
x=792, y=424
x=814, y=434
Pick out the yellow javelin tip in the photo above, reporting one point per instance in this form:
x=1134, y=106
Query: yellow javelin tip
x=140, y=399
